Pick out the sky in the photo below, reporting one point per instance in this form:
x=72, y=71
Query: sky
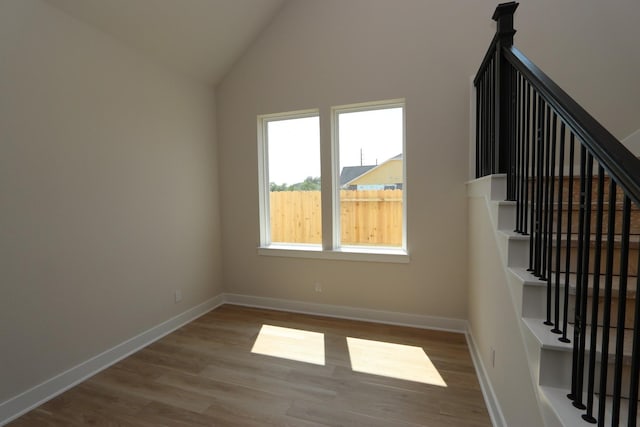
x=294, y=144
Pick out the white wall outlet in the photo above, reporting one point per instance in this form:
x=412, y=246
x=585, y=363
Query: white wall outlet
x=318, y=287
x=177, y=295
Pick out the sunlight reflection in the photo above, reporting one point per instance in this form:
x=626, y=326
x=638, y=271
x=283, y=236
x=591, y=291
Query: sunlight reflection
x=399, y=361
x=292, y=344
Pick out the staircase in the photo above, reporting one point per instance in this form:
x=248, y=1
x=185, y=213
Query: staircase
x=564, y=200
x=554, y=358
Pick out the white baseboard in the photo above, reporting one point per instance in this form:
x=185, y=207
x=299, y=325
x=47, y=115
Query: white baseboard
x=490, y=398
x=352, y=313
x=24, y=402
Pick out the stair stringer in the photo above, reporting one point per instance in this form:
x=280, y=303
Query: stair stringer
x=526, y=294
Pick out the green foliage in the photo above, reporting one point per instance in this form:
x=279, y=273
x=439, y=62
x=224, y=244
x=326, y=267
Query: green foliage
x=309, y=184
x=275, y=187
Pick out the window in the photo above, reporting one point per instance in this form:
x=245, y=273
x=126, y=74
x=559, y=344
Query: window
x=364, y=199
x=369, y=143
x=291, y=202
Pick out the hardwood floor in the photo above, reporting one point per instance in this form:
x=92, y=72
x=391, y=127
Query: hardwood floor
x=206, y=374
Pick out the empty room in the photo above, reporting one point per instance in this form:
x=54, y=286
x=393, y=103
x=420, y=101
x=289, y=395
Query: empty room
x=319, y=212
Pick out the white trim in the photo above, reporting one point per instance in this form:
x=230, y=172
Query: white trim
x=350, y=253
x=263, y=164
x=351, y=313
x=28, y=400
x=335, y=160
x=490, y=398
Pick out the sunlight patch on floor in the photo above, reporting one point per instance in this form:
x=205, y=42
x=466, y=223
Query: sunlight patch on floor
x=292, y=344
x=399, y=361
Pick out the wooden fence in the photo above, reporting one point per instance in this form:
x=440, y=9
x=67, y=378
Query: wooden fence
x=370, y=217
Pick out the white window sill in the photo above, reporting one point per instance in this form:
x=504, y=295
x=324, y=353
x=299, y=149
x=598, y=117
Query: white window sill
x=365, y=253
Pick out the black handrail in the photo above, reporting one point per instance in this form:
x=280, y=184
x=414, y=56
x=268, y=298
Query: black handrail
x=616, y=159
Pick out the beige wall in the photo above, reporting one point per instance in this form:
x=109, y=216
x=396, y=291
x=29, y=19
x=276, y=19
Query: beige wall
x=495, y=324
x=633, y=142
x=590, y=48
x=320, y=54
x=108, y=189
x=317, y=54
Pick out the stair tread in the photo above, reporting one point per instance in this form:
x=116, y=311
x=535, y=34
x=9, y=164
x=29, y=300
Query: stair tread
x=571, y=416
x=549, y=340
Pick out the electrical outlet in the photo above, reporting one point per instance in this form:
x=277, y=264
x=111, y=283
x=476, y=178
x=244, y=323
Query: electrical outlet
x=318, y=287
x=178, y=295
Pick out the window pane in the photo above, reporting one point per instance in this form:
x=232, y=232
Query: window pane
x=371, y=177
x=294, y=180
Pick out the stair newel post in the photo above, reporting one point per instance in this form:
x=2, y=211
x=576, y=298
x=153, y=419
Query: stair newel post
x=503, y=16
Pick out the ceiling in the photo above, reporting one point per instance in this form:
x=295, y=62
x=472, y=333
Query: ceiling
x=200, y=38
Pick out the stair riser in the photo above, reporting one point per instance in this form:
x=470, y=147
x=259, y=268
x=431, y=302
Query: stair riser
x=576, y=189
x=534, y=306
x=629, y=311
x=555, y=371
x=633, y=260
x=518, y=253
x=575, y=215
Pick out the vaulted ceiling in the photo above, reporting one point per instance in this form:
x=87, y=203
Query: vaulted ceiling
x=200, y=38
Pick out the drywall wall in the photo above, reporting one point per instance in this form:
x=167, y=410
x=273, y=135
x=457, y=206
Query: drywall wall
x=321, y=54
x=108, y=188
x=318, y=54
x=632, y=142
x=495, y=325
x=590, y=48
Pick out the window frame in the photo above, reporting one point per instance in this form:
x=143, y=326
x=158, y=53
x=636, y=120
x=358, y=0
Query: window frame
x=335, y=165
x=330, y=205
x=263, y=174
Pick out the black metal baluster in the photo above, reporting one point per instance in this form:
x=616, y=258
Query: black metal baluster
x=545, y=209
x=635, y=356
x=622, y=302
x=492, y=122
x=480, y=126
x=567, y=281
x=606, y=316
x=595, y=297
x=518, y=151
x=539, y=187
x=518, y=144
x=578, y=301
x=478, y=130
x=487, y=123
x=513, y=143
x=549, y=232
x=556, y=329
x=533, y=184
x=584, y=282
x=526, y=159
x=523, y=182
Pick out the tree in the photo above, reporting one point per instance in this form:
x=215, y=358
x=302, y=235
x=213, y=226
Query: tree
x=275, y=187
x=309, y=184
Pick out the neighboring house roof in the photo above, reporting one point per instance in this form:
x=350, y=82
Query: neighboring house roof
x=349, y=173
x=366, y=170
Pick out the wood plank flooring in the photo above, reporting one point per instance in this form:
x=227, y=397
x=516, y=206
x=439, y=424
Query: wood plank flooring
x=205, y=374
